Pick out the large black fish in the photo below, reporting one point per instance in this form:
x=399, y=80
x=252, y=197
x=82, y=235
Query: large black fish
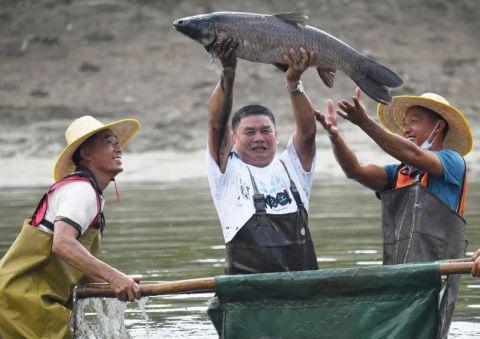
x=266, y=38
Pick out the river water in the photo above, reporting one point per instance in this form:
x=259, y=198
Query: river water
x=170, y=231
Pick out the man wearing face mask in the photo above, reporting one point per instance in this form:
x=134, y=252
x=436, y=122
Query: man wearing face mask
x=423, y=196
x=425, y=133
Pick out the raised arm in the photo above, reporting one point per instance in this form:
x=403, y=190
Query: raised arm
x=304, y=138
x=219, y=131
x=397, y=146
x=369, y=175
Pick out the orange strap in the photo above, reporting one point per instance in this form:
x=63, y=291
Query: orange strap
x=405, y=180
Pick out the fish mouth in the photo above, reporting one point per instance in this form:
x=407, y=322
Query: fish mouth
x=198, y=28
x=179, y=25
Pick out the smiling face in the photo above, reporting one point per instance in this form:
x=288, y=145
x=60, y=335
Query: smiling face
x=418, y=123
x=103, y=154
x=255, y=140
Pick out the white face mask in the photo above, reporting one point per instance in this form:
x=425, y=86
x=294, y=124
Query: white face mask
x=427, y=144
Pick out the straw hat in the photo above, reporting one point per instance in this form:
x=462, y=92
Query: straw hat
x=459, y=135
x=80, y=130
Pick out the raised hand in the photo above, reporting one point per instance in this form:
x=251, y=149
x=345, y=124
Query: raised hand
x=355, y=113
x=298, y=63
x=328, y=120
x=225, y=51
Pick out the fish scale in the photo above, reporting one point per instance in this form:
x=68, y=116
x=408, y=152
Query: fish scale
x=281, y=37
x=266, y=38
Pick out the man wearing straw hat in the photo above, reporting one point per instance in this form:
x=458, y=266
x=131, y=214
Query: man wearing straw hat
x=55, y=248
x=423, y=196
x=425, y=133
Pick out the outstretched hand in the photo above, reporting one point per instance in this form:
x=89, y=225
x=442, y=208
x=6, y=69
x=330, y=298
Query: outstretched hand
x=225, y=51
x=355, y=113
x=329, y=120
x=298, y=63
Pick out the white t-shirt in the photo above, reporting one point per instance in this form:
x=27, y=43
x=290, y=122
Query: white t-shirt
x=232, y=191
x=76, y=201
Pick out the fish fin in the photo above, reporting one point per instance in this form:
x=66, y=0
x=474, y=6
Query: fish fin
x=375, y=90
x=294, y=18
x=326, y=75
x=282, y=67
x=377, y=81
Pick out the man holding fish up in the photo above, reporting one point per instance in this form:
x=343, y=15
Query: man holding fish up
x=262, y=201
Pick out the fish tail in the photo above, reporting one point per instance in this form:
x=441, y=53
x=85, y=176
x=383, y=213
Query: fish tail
x=374, y=90
x=377, y=82
x=383, y=74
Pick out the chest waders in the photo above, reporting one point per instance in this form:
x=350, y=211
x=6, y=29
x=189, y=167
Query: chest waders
x=36, y=285
x=272, y=242
x=417, y=226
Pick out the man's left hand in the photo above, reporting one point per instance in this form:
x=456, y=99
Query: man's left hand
x=355, y=113
x=297, y=64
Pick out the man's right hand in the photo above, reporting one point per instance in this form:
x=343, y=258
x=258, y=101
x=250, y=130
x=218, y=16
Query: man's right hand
x=329, y=120
x=225, y=51
x=124, y=287
x=355, y=113
x=476, y=263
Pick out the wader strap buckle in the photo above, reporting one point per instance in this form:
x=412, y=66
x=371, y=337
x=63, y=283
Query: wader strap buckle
x=260, y=210
x=293, y=187
x=259, y=203
x=258, y=198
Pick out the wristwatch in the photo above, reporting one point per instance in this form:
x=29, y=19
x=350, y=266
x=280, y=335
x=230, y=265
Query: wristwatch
x=296, y=90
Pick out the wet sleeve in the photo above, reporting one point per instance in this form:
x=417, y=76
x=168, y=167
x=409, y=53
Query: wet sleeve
x=453, y=166
x=77, y=205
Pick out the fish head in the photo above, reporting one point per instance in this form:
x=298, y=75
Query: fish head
x=199, y=28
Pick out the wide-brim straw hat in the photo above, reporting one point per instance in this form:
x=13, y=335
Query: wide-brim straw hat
x=459, y=135
x=80, y=130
